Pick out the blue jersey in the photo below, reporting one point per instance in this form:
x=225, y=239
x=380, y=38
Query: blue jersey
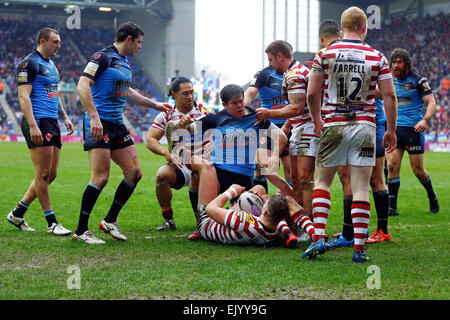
x=410, y=92
x=380, y=116
x=112, y=75
x=235, y=141
x=268, y=82
x=43, y=75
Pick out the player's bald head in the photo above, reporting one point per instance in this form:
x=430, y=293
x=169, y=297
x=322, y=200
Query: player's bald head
x=353, y=19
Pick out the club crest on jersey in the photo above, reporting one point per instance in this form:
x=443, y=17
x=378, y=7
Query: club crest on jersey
x=48, y=136
x=407, y=86
x=106, y=138
x=250, y=219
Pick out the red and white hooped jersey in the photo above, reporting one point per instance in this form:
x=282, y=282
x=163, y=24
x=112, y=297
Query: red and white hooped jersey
x=295, y=80
x=351, y=70
x=240, y=227
x=162, y=118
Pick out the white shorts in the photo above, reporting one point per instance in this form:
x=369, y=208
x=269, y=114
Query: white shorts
x=340, y=144
x=303, y=142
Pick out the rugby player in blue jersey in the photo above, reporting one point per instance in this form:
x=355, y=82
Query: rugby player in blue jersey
x=104, y=87
x=413, y=91
x=37, y=80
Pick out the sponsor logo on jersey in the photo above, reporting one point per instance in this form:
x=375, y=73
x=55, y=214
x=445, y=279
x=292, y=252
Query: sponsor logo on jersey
x=121, y=88
x=22, y=76
x=250, y=219
x=367, y=152
x=52, y=90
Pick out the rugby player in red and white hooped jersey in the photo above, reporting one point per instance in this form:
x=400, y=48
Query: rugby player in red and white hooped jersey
x=303, y=142
x=348, y=71
x=174, y=174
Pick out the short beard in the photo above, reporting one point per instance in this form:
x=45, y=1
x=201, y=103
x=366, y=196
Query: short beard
x=400, y=74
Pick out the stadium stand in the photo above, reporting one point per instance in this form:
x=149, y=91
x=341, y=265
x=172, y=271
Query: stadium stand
x=426, y=39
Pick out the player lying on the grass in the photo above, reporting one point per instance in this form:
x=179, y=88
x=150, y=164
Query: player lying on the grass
x=234, y=226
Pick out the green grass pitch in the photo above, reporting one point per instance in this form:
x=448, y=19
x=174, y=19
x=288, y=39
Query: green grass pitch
x=154, y=265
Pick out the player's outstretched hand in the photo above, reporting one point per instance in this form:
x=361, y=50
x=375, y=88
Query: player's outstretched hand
x=262, y=114
x=164, y=107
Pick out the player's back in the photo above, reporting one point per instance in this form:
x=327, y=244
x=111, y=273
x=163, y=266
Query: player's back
x=351, y=70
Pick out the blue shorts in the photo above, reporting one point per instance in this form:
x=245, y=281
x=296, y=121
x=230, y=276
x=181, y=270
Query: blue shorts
x=381, y=129
x=115, y=136
x=410, y=140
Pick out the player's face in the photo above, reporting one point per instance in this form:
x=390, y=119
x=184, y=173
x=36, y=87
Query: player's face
x=135, y=45
x=274, y=62
x=184, y=98
x=398, y=68
x=235, y=107
x=52, y=45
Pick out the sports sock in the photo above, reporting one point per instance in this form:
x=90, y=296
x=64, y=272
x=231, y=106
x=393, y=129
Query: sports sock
x=123, y=193
x=429, y=188
x=50, y=217
x=283, y=230
x=20, y=209
x=393, y=186
x=321, y=205
x=193, y=197
x=90, y=196
x=261, y=181
x=360, y=219
x=347, y=226
x=167, y=213
x=301, y=219
x=381, y=199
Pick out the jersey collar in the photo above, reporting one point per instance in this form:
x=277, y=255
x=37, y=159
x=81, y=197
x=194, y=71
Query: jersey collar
x=40, y=55
x=351, y=41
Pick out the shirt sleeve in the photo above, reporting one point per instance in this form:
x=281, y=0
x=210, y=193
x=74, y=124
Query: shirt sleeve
x=317, y=63
x=259, y=79
x=423, y=87
x=295, y=82
x=96, y=66
x=160, y=121
x=26, y=72
x=385, y=71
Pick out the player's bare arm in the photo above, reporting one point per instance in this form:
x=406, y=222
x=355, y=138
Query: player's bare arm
x=65, y=117
x=387, y=91
x=294, y=108
x=314, y=94
x=134, y=97
x=85, y=93
x=249, y=95
x=422, y=125
x=215, y=208
x=24, y=92
x=152, y=143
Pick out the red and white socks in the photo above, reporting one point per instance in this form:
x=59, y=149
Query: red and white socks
x=321, y=204
x=360, y=220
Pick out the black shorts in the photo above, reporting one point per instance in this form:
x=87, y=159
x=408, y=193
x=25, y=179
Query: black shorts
x=115, y=136
x=410, y=140
x=49, y=129
x=227, y=178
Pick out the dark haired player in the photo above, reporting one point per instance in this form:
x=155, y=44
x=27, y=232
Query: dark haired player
x=37, y=80
x=174, y=174
x=104, y=87
x=412, y=92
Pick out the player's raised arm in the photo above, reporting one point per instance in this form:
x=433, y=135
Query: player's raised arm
x=215, y=208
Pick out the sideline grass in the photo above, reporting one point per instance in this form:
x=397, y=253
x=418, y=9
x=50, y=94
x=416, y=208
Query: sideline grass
x=153, y=265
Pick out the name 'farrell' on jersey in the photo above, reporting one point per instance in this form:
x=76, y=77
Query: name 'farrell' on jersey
x=351, y=70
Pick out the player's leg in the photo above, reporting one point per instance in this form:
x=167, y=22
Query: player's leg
x=296, y=190
x=166, y=177
x=127, y=159
x=394, y=161
x=360, y=178
x=306, y=166
x=99, y=161
x=193, y=190
x=417, y=166
x=381, y=200
x=300, y=217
